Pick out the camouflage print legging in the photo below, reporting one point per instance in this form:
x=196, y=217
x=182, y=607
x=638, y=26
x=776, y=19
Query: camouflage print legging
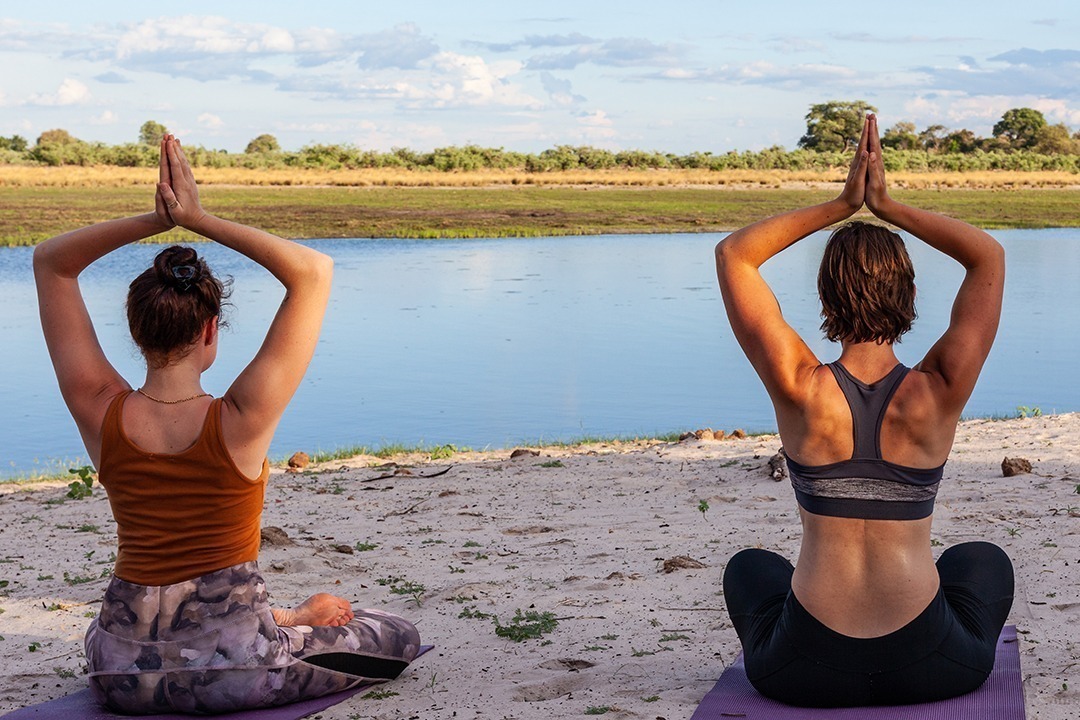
x=211, y=645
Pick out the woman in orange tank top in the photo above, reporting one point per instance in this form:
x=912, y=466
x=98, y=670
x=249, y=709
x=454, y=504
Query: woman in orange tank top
x=185, y=625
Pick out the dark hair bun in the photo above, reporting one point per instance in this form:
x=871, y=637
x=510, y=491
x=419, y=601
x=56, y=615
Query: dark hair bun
x=179, y=267
x=170, y=303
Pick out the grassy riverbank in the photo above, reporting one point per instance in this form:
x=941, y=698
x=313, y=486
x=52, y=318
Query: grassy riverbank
x=29, y=214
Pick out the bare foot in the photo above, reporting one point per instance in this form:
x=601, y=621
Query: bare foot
x=321, y=609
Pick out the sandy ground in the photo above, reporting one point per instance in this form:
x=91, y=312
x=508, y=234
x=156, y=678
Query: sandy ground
x=581, y=533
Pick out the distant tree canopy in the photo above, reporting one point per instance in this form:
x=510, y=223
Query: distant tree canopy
x=56, y=137
x=835, y=125
x=151, y=133
x=263, y=144
x=1054, y=140
x=1020, y=126
x=1023, y=141
x=16, y=143
x=901, y=136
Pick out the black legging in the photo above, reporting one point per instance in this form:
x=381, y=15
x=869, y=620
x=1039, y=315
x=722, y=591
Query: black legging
x=947, y=650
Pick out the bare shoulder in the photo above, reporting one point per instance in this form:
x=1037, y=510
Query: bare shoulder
x=919, y=426
x=816, y=426
x=246, y=436
x=920, y=397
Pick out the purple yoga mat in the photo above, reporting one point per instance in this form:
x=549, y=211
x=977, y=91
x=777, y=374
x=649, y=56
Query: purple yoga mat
x=1000, y=698
x=82, y=705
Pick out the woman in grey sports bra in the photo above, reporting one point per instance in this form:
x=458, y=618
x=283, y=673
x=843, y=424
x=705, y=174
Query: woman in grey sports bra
x=866, y=616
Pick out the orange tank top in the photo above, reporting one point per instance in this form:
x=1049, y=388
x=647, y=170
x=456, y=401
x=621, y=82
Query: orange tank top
x=178, y=515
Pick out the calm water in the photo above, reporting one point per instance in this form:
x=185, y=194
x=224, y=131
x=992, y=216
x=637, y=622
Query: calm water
x=488, y=343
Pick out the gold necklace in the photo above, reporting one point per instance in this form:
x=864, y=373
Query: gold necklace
x=171, y=402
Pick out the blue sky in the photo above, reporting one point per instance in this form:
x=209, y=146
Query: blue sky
x=674, y=76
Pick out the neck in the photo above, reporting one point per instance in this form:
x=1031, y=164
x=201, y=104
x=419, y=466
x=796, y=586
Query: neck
x=178, y=380
x=868, y=359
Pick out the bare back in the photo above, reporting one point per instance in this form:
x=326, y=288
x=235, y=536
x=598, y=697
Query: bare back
x=861, y=577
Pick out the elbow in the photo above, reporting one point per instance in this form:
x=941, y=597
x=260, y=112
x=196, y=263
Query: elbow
x=722, y=252
x=43, y=258
x=994, y=257
x=308, y=270
x=321, y=269
x=727, y=252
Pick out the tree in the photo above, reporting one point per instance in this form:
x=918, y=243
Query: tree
x=901, y=136
x=15, y=142
x=151, y=133
x=932, y=138
x=835, y=125
x=961, y=141
x=263, y=144
x=1019, y=126
x=56, y=137
x=1054, y=140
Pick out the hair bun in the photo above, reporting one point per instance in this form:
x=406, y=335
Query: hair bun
x=179, y=267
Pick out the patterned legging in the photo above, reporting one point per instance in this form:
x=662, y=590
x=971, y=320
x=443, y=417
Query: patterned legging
x=211, y=645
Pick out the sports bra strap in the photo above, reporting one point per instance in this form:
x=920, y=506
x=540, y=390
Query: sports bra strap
x=868, y=404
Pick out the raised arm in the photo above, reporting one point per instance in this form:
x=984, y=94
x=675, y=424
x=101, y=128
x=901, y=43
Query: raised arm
x=258, y=397
x=958, y=356
x=86, y=378
x=775, y=350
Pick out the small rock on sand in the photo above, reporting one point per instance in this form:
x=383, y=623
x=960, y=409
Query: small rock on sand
x=703, y=434
x=299, y=461
x=524, y=452
x=275, y=536
x=682, y=562
x=1015, y=466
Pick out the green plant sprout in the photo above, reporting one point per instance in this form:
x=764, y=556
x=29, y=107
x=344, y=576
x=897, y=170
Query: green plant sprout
x=83, y=487
x=526, y=626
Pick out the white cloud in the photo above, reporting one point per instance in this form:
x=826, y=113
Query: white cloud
x=318, y=40
x=789, y=44
x=454, y=80
x=402, y=46
x=316, y=127
x=596, y=126
x=762, y=72
x=979, y=112
x=210, y=121
x=70, y=92
x=275, y=40
x=596, y=118
x=108, y=117
x=560, y=90
x=207, y=34
x=1057, y=110
x=412, y=135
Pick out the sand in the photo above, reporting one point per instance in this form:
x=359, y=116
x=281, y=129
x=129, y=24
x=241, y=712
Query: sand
x=582, y=533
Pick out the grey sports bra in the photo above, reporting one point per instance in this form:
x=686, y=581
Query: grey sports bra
x=866, y=486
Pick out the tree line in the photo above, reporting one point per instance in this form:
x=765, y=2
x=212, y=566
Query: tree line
x=1021, y=140
x=837, y=125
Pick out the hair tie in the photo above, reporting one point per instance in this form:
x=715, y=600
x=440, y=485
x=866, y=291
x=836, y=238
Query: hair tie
x=184, y=276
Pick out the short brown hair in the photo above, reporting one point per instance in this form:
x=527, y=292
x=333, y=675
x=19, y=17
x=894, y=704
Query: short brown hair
x=169, y=304
x=866, y=284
